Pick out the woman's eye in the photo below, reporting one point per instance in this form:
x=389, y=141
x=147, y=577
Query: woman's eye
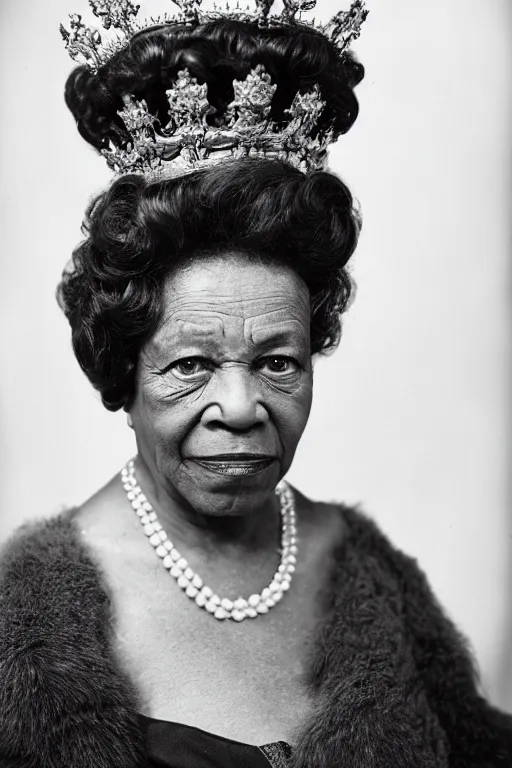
x=279, y=365
x=188, y=367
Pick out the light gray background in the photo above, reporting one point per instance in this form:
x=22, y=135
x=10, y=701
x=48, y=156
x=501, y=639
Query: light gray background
x=412, y=414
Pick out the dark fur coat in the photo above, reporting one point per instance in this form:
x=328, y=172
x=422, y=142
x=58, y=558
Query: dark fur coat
x=399, y=687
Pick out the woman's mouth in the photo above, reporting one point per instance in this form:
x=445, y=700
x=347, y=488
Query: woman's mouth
x=236, y=464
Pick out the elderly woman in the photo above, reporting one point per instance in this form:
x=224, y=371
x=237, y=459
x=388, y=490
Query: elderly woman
x=197, y=610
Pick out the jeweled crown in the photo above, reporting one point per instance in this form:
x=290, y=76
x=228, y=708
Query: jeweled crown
x=188, y=142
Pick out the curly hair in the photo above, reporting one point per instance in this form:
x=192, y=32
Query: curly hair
x=139, y=231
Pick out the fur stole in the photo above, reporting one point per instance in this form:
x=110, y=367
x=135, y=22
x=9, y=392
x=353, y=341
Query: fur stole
x=399, y=688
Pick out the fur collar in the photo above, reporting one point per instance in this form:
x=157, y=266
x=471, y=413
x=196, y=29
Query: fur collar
x=399, y=687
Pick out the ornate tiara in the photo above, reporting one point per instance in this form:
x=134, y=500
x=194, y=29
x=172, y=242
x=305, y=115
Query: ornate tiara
x=188, y=142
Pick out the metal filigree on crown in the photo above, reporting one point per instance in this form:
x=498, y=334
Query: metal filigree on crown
x=188, y=142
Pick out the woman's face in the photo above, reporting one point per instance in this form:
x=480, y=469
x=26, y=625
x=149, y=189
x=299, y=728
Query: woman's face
x=224, y=386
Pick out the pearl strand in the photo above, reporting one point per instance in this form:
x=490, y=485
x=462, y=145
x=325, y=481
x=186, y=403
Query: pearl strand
x=204, y=597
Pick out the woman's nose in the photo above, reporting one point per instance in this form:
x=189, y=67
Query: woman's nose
x=236, y=400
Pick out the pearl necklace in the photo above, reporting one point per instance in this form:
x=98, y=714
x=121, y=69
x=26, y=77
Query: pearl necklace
x=191, y=583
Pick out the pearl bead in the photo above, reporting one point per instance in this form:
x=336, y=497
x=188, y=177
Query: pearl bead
x=191, y=583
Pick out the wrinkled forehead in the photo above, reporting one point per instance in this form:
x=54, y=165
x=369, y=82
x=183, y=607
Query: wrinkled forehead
x=209, y=321
x=225, y=300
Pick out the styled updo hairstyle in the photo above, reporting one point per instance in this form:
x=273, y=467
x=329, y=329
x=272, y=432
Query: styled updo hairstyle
x=138, y=231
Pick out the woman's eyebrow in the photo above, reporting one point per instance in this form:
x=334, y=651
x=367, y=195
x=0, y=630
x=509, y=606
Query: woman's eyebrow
x=272, y=334
x=185, y=332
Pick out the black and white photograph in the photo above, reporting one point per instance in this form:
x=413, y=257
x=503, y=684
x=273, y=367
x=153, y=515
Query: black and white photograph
x=255, y=403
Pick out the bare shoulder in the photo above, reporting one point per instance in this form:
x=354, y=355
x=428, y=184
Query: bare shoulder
x=319, y=514
x=104, y=521
x=321, y=524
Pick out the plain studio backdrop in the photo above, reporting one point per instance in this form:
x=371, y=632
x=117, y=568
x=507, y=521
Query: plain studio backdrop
x=411, y=416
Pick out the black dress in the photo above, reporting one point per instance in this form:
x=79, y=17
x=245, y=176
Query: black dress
x=172, y=745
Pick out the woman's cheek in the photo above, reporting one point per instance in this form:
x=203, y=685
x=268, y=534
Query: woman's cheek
x=291, y=408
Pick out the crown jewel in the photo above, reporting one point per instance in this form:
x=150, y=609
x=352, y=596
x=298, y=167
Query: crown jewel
x=188, y=142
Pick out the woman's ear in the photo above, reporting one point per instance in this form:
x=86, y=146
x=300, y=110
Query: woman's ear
x=129, y=419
